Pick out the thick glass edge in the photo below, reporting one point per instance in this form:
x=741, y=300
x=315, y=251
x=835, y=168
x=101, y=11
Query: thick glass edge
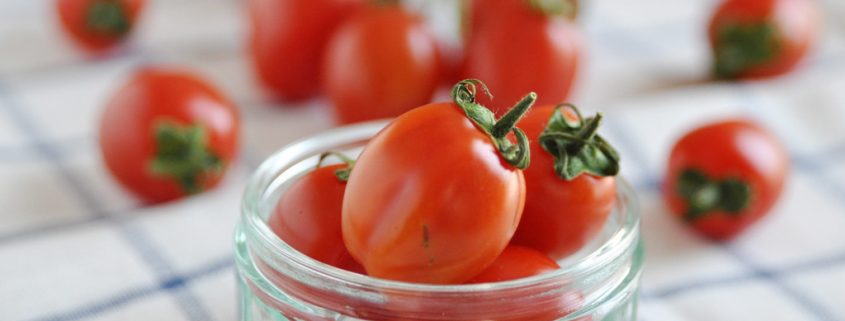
x=253, y=225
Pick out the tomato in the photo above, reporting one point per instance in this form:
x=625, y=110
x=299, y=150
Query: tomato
x=438, y=193
x=307, y=217
x=381, y=63
x=761, y=38
x=475, y=13
x=724, y=176
x=167, y=134
x=98, y=25
x=524, y=50
x=569, y=196
x=516, y=262
x=288, y=39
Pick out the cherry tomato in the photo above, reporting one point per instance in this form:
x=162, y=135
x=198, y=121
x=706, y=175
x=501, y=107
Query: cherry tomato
x=761, y=38
x=168, y=134
x=524, y=50
x=381, y=63
x=516, y=262
x=437, y=195
x=288, y=39
x=307, y=217
x=571, y=188
x=475, y=13
x=98, y=25
x=724, y=176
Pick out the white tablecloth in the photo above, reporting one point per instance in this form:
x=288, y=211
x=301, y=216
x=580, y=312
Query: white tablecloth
x=74, y=246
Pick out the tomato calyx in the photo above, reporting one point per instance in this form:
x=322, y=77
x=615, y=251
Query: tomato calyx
x=576, y=146
x=384, y=3
x=740, y=47
x=704, y=194
x=342, y=174
x=518, y=155
x=566, y=8
x=107, y=18
x=182, y=154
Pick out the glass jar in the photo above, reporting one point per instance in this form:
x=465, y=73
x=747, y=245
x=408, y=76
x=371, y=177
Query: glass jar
x=276, y=282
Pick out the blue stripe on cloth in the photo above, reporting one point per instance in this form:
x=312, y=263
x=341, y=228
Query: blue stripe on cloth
x=249, y=160
x=28, y=153
x=819, y=311
x=48, y=228
x=835, y=154
x=625, y=139
x=18, y=154
x=780, y=272
x=131, y=295
x=137, y=240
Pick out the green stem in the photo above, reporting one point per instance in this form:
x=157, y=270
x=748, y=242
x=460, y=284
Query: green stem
x=574, y=123
x=463, y=94
x=384, y=3
x=508, y=121
x=566, y=8
x=107, y=17
x=576, y=145
x=739, y=47
x=704, y=195
x=342, y=174
x=182, y=154
x=586, y=133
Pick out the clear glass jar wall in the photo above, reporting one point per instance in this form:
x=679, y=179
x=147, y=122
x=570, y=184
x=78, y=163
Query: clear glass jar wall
x=276, y=282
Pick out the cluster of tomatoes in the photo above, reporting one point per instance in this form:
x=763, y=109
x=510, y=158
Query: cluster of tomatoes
x=471, y=210
x=376, y=59
x=498, y=202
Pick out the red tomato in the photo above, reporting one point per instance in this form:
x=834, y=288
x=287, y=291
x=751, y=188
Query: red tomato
x=97, y=25
x=434, y=198
x=167, y=134
x=761, y=38
x=451, y=61
x=524, y=50
x=381, y=63
x=475, y=13
x=288, y=39
x=307, y=217
x=567, y=202
x=516, y=262
x=724, y=176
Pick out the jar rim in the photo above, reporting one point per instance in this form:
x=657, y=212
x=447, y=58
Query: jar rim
x=621, y=239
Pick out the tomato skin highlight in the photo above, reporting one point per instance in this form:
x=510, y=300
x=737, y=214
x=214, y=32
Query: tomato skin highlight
x=381, y=63
x=524, y=50
x=154, y=95
x=796, y=28
x=307, y=217
x=516, y=262
x=560, y=216
x=288, y=39
x=731, y=149
x=75, y=20
x=430, y=199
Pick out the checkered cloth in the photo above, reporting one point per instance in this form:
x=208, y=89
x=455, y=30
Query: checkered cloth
x=74, y=246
